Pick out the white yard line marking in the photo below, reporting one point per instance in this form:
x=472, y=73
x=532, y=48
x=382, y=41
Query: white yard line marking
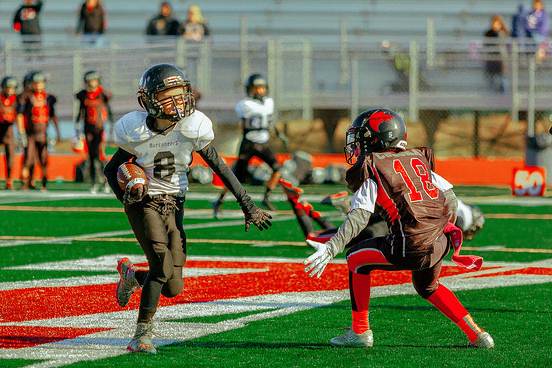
x=68, y=239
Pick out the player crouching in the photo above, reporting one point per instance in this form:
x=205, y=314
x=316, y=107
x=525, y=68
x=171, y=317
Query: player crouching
x=161, y=141
x=417, y=205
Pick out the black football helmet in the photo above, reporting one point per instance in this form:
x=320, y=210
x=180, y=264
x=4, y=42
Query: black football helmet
x=28, y=78
x=9, y=82
x=161, y=77
x=374, y=130
x=255, y=80
x=91, y=75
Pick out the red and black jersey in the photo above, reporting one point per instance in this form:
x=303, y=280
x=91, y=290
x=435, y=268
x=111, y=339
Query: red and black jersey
x=37, y=108
x=8, y=109
x=94, y=107
x=413, y=207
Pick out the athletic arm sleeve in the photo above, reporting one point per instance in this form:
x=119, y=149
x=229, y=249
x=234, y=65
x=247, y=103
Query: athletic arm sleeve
x=110, y=171
x=356, y=220
x=451, y=204
x=211, y=157
x=440, y=182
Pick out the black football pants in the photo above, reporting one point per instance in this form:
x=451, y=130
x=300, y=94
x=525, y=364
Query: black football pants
x=161, y=236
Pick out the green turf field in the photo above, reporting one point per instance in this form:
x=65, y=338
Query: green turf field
x=247, y=301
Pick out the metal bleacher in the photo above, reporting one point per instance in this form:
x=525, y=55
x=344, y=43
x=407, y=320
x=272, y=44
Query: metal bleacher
x=329, y=53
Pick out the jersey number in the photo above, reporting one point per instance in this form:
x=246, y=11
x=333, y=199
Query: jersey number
x=163, y=165
x=423, y=175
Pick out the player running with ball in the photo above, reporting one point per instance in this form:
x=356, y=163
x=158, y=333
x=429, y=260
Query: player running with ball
x=161, y=141
x=418, y=206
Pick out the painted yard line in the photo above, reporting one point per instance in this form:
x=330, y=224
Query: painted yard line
x=113, y=278
x=111, y=343
x=68, y=239
x=510, y=250
x=524, y=216
x=189, y=211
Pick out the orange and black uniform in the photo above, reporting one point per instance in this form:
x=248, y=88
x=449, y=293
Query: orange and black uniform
x=38, y=108
x=95, y=110
x=8, y=115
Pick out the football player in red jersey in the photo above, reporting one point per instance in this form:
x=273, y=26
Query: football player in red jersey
x=8, y=115
x=418, y=206
x=95, y=111
x=37, y=109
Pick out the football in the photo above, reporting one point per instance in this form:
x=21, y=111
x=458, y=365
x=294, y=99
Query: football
x=130, y=174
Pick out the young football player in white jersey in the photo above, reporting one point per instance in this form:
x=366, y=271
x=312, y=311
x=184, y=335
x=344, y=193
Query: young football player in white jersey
x=255, y=112
x=161, y=141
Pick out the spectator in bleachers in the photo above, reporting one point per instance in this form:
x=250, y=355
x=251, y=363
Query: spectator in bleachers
x=92, y=21
x=518, y=22
x=163, y=24
x=497, y=52
x=537, y=22
x=194, y=28
x=26, y=21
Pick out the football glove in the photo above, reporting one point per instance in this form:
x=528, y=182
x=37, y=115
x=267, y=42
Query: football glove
x=135, y=196
x=317, y=262
x=257, y=217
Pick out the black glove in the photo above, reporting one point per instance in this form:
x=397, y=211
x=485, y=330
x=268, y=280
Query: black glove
x=133, y=196
x=256, y=216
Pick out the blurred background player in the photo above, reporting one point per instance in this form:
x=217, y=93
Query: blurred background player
x=255, y=112
x=95, y=111
x=417, y=205
x=37, y=109
x=161, y=141
x=8, y=116
x=469, y=218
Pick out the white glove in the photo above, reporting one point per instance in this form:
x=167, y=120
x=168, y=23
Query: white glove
x=318, y=261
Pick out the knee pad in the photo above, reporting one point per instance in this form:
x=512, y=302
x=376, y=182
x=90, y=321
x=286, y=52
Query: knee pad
x=172, y=288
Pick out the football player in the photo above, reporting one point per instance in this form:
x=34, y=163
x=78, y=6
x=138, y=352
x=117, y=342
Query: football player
x=469, y=218
x=255, y=112
x=95, y=111
x=35, y=111
x=8, y=115
x=417, y=204
x=161, y=140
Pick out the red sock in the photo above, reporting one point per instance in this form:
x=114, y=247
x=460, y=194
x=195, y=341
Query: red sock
x=359, y=287
x=445, y=300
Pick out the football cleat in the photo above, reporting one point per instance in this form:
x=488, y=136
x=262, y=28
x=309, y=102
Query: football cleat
x=267, y=204
x=290, y=190
x=127, y=283
x=142, y=340
x=484, y=341
x=352, y=340
x=338, y=200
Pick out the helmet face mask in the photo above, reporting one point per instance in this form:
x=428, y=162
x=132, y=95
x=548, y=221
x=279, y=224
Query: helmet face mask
x=9, y=86
x=256, y=87
x=159, y=96
x=374, y=131
x=92, y=79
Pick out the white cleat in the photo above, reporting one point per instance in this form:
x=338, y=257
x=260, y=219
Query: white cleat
x=127, y=282
x=484, y=341
x=142, y=340
x=352, y=340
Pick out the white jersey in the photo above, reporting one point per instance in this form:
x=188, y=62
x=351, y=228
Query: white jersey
x=256, y=117
x=164, y=157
